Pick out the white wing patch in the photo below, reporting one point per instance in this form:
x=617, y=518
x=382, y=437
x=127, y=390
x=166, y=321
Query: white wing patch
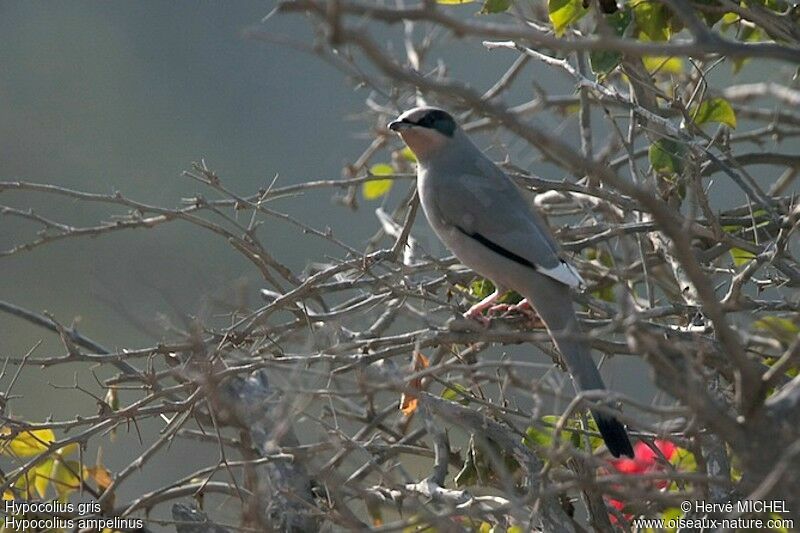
x=564, y=273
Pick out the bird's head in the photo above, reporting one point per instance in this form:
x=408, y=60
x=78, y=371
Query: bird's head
x=425, y=130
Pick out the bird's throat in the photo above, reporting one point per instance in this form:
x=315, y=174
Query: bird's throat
x=424, y=143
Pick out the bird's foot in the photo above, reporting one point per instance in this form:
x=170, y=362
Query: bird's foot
x=476, y=311
x=523, y=307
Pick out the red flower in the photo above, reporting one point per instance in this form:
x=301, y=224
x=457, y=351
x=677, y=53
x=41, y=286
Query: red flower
x=644, y=460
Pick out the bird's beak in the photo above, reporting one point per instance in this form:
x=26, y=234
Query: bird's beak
x=399, y=125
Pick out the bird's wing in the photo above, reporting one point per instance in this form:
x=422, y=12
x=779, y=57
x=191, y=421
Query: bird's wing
x=488, y=207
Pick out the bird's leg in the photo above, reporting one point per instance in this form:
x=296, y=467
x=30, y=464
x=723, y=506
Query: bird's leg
x=476, y=311
x=523, y=307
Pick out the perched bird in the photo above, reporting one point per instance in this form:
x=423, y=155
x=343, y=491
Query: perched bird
x=480, y=214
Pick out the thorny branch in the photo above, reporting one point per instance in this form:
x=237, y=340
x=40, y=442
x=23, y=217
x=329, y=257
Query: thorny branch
x=706, y=296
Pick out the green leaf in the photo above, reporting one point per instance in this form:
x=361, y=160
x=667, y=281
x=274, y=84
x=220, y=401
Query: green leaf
x=729, y=19
x=783, y=329
x=456, y=393
x=481, y=288
x=715, y=110
x=605, y=259
x=760, y=219
x=542, y=435
x=652, y=20
x=758, y=215
x=480, y=467
x=670, y=515
x=666, y=156
x=475, y=470
x=778, y=520
x=594, y=442
x=601, y=257
x=495, y=6
x=741, y=257
x=684, y=460
x=604, y=61
x=510, y=297
x=374, y=189
x=619, y=21
x=605, y=293
x=772, y=5
x=710, y=18
x=565, y=12
x=744, y=32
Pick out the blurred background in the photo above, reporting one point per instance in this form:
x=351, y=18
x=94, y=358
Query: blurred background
x=105, y=97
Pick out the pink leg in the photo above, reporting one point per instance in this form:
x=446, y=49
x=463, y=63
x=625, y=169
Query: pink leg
x=523, y=307
x=476, y=311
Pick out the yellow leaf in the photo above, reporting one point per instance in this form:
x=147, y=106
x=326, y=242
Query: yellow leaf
x=21, y=487
x=112, y=398
x=562, y=13
x=715, y=110
x=376, y=188
x=68, y=450
x=65, y=477
x=741, y=257
x=381, y=169
x=663, y=65
x=778, y=521
x=26, y=443
x=41, y=477
x=408, y=154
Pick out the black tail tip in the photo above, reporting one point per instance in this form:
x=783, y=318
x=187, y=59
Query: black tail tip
x=614, y=435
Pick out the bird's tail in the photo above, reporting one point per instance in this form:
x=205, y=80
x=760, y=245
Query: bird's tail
x=614, y=434
x=553, y=303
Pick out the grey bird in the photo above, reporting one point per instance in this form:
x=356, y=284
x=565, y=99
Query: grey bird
x=480, y=214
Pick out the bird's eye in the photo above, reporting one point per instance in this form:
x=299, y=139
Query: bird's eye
x=426, y=121
x=439, y=121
